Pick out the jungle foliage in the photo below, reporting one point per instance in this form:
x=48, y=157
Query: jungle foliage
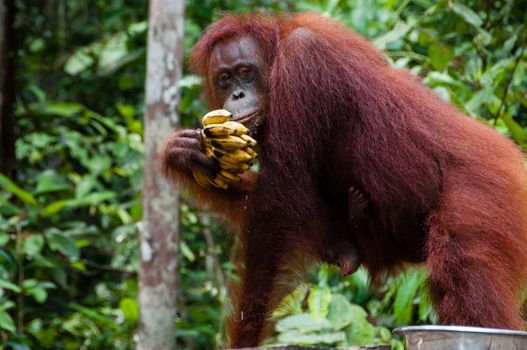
x=70, y=217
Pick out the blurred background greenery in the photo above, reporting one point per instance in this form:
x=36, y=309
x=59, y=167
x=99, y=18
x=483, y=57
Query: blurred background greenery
x=69, y=213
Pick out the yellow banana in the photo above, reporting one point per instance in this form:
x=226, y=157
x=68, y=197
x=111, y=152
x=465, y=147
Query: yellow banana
x=201, y=178
x=216, y=117
x=232, y=156
x=219, y=183
x=250, y=151
x=234, y=167
x=226, y=143
x=225, y=129
x=228, y=176
x=250, y=141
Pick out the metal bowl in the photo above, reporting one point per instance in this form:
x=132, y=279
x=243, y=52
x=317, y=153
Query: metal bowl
x=461, y=338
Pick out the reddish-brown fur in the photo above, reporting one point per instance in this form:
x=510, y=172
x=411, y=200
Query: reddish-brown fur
x=441, y=187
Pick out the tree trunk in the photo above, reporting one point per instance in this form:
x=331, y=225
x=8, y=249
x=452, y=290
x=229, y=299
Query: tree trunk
x=160, y=233
x=7, y=91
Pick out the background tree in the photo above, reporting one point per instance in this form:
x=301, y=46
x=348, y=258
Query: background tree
x=7, y=91
x=160, y=230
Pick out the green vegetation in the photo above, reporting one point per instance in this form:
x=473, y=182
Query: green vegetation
x=69, y=218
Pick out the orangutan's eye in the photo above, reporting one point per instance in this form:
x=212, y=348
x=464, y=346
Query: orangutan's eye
x=224, y=77
x=244, y=72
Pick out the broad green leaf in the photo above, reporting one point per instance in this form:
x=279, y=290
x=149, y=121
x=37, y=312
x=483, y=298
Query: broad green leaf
x=39, y=294
x=54, y=207
x=292, y=303
x=91, y=199
x=4, y=239
x=49, y=181
x=33, y=244
x=112, y=51
x=311, y=339
x=517, y=132
x=62, y=109
x=467, y=14
x=6, y=322
x=187, y=253
x=189, y=81
x=301, y=322
x=63, y=244
x=359, y=331
x=99, y=163
x=8, y=285
x=479, y=98
x=85, y=186
x=11, y=187
x=425, y=307
x=406, y=292
x=91, y=313
x=130, y=309
x=340, y=312
x=440, y=55
x=79, y=61
x=318, y=301
x=395, y=34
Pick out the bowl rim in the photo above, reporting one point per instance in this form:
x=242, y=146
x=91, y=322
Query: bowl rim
x=460, y=329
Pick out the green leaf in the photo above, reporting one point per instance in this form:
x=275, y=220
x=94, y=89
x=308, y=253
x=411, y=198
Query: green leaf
x=360, y=331
x=106, y=321
x=39, y=294
x=189, y=81
x=63, y=244
x=49, y=181
x=61, y=109
x=517, y=132
x=395, y=34
x=6, y=322
x=79, y=61
x=4, y=239
x=410, y=283
x=311, y=339
x=11, y=187
x=301, y=322
x=54, y=207
x=318, y=301
x=130, y=309
x=10, y=286
x=479, y=98
x=440, y=55
x=340, y=312
x=32, y=245
x=85, y=186
x=467, y=14
x=91, y=199
x=187, y=253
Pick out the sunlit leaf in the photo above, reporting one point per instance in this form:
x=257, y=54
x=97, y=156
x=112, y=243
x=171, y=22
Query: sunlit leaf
x=318, y=301
x=395, y=34
x=517, y=132
x=440, y=55
x=11, y=187
x=130, y=309
x=10, y=286
x=340, y=312
x=6, y=322
x=301, y=322
x=467, y=14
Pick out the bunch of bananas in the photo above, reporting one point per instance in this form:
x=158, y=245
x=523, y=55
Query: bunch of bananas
x=227, y=142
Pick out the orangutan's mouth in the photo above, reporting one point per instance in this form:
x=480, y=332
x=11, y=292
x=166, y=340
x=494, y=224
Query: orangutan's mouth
x=249, y=116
